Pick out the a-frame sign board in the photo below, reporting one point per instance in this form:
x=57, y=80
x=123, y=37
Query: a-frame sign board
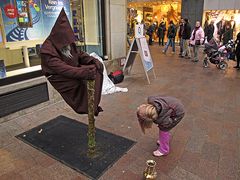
x=139, y=46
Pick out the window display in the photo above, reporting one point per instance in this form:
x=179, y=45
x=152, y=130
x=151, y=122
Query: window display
x=24, y=18
x=25, y=24
x=223, y=19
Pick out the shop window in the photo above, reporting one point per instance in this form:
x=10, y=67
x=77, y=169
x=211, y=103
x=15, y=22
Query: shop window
x=25, y=24
x=149, y=12
x=222, y=19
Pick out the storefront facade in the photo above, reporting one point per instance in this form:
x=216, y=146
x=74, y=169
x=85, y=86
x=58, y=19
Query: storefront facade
x=205, y=11
x=25, y=24
x=222, y=13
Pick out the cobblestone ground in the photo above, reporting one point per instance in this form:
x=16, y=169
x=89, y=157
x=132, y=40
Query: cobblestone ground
x=205, y=145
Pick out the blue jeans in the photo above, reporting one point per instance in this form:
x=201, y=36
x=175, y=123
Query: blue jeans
x=181, y=45
x=170, y=42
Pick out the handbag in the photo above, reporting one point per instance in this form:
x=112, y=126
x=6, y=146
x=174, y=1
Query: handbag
x=116, y=76
x=197, y=42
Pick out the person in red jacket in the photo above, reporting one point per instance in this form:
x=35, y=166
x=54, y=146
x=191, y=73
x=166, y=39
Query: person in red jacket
x=164, y=111
x=67, y=69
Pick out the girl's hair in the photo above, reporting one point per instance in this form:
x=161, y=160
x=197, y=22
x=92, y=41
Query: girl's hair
x=146, y=114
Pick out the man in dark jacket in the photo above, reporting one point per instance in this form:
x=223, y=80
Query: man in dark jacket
x=227, y=35
x=221, y=25
x=238, y=51
x=171, y=37
x=209, y=31
x=186, y=35
x=180, y=33
x=150, y=32
x=161, y=33
x=67, y=69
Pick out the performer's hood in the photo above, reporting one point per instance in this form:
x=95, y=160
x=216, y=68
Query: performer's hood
x=62, y=33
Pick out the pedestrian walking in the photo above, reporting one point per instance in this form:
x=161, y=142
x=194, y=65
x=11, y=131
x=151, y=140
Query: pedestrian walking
x=171, y=33
x=166, y=112
x=180, y=33
x=161, y=33
x=150, y=32
x=227, y=35
x=197, y=38
x=238, y=51
x=186, y=38
x=209, y=31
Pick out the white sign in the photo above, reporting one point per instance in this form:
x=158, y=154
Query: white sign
x=139, y=46
x=147, y=59
x=139, y=28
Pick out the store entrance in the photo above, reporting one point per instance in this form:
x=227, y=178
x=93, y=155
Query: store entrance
x=149, y=12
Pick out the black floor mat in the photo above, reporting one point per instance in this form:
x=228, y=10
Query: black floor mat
x=65, y=140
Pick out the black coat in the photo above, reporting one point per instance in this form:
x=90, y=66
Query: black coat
x=238, y=46
x=209, y=31
x=161, y=31
x=180, y=32
x=171, y=31
x=187, y=31
x=228, y=35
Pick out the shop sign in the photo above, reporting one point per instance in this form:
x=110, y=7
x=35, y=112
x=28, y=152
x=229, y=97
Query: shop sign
x=139, y=28
x=10, y=11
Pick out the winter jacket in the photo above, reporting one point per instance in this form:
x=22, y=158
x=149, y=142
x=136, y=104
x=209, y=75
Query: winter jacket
x=209, y=31
x=199, y=35
x=227, y=35
x=170, y=111
x=161, y=30
x=180, y=32
x=238, y=45
x=171, y=31
x=150, y=30
x=186, y=31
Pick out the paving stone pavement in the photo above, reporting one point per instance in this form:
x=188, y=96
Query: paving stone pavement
x=205, y=145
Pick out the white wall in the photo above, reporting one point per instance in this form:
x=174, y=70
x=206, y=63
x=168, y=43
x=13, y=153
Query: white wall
x=221, y=4
x=116, y=28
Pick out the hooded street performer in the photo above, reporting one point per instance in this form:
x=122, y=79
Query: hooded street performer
x=67, y=69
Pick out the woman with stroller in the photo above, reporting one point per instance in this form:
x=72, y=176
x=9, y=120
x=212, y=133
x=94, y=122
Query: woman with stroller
x=196, y=40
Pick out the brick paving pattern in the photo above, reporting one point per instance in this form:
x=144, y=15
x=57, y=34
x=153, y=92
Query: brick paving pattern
x=205, y=145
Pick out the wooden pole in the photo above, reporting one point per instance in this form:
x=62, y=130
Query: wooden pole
x=91, y=120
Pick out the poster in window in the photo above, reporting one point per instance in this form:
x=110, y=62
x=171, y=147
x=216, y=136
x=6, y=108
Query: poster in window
x=24, y=18
x=31, y=19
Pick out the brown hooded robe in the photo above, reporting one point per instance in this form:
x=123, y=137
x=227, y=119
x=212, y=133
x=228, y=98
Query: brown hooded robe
x=68, y=75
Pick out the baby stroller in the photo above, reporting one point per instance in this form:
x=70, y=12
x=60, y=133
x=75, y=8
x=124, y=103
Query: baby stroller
x=217, y=55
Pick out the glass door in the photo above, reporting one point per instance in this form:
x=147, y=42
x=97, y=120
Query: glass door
x=87, y=25
x=78, y=23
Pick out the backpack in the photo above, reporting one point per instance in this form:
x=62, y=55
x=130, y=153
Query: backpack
x=116, y=76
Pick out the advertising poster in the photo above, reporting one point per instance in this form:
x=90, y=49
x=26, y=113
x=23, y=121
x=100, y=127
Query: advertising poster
x=147, y=59
x=50, y=11
x=30, y=19
x=139, y=28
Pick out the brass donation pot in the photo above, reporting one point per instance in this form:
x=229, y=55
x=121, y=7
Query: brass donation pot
x=150, y=172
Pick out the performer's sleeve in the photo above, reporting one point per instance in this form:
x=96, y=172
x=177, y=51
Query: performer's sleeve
x=86, y=59
x=61, y=68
